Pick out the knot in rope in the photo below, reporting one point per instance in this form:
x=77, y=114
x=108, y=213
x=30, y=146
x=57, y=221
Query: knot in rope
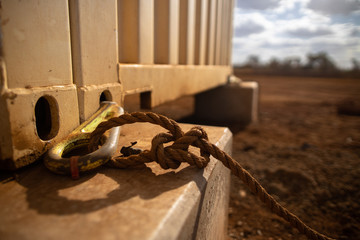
x=167, y=157
x=172, y=156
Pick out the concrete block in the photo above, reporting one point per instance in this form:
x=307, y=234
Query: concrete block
x=90, y=97
x=235, y=102
x=137, y=203
x=38, y=102
x=168, y=82
x=32, y=120
x=213, y=219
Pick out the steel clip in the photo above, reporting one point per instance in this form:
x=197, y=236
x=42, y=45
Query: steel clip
x=58, y=158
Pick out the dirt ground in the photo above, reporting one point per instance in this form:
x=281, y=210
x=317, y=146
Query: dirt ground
x=305, y=154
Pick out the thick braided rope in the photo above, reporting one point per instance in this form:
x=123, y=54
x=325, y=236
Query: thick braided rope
x=172, y=156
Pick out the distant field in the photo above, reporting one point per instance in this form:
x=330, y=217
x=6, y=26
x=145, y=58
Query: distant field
x=305, y=89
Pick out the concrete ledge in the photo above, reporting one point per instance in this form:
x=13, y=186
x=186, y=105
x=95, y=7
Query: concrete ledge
x=231, y=103
x=137, y=203
x=22, y=138
x=89, y=97
x=169, y=82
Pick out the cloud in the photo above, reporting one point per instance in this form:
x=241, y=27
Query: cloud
x=279, y=45
x=296, y=27
x=247, y=28
x=304, y=32
x=355, y=33
x=333, y=7
x=258, y=4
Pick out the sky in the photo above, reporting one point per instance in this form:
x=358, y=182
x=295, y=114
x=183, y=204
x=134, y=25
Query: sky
x=294, y=28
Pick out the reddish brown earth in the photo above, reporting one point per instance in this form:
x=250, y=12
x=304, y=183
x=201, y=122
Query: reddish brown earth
x=305, y=154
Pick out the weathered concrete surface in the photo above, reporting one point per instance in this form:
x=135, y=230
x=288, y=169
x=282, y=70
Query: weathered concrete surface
x=35, y=62
x=168, y=82
x=36, y=43
x=20, y=143
x=94, y=45
x=230, y=103
x=89, y=97
x=137, y=203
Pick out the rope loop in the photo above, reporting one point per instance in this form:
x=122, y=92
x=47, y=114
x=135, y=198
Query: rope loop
x=173, y=155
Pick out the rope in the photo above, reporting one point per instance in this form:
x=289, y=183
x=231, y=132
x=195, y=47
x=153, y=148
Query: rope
x=172, y=156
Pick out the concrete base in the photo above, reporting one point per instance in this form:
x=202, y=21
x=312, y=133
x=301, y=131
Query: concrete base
x=169, y=82
x=231, y=103
x=33, y=120
x=90, y=97
x=137, y=203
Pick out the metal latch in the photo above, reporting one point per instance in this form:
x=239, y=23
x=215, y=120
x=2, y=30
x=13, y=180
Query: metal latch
x=60, y=158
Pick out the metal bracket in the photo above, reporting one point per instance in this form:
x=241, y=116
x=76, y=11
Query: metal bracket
x=58, y=158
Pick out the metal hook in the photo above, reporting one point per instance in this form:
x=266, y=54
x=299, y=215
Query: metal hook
x=56, y=159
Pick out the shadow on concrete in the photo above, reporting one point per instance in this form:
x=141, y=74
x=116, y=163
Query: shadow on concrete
x=43, y=187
